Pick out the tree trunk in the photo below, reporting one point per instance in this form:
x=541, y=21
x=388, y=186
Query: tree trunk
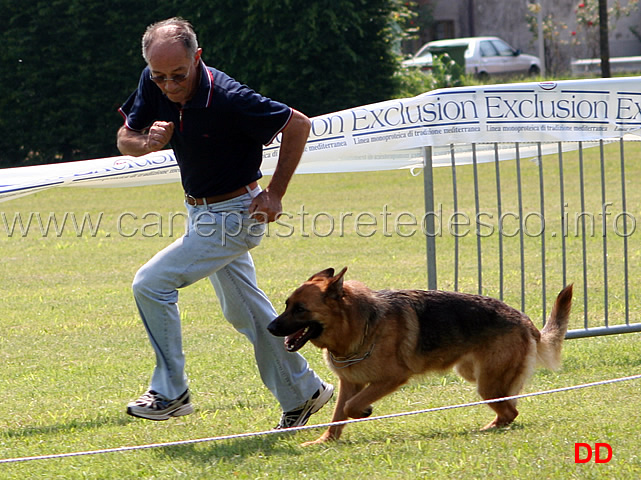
x=603, y=39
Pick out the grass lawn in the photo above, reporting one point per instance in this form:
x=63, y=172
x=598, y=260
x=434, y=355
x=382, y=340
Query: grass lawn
x=74, y=352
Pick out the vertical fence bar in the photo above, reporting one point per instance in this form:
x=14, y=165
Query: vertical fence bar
x=604, y=225
x=479, y=253
x=564, y=231
x=500, y=215
x=582, y=216
x=587, y=195
x=455, y=200
x=430, y=232
x=542, y=208
x=520, y=202
x=624, y=207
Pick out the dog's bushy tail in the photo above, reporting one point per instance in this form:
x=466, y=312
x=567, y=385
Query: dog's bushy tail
x=552, y=335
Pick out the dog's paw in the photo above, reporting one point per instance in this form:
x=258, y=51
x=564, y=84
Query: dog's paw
x=496, y=424
x=318, y=441
x=324, y=438
x=359, y=412
x=368, y=411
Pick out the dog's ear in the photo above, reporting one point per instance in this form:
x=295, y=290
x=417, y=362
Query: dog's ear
x=327, y=273
x=335, y=286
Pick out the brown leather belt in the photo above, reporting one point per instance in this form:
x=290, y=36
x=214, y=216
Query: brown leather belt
x=191, y=200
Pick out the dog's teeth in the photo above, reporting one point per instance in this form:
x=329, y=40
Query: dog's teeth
x=293, y=341
x=302, y=333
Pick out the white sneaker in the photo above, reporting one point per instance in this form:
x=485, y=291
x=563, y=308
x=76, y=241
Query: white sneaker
x=299, y=416
x=153, y=406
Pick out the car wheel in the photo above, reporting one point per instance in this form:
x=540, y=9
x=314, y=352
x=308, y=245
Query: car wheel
x=483, y=76
x=534, y=71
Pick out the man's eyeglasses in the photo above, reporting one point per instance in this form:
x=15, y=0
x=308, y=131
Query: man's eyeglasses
x=160, y=80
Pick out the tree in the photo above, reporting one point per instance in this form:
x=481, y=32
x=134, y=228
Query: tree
x=316, y=55
x=588, y=39
x=604, y=44
x=67, y=65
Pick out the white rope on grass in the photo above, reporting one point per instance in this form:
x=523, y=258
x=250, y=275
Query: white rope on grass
x=309, y=427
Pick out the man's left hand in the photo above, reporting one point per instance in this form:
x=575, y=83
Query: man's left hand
x=266, y=207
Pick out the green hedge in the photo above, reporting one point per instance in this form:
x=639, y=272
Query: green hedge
x=67, y=65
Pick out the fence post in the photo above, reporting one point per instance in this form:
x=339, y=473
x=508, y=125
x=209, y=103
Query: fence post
x=430, y=232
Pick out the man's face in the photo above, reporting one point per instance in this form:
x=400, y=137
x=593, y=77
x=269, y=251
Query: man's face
x=170, y=61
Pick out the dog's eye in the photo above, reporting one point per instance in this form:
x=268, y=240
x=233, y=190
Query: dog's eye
x=298, y=308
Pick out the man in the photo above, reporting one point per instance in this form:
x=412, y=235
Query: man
x=217, y=128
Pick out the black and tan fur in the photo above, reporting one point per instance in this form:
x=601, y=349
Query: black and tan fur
x=376, y=340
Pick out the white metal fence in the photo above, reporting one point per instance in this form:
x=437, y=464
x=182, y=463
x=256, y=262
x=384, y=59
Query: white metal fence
x=537, y=223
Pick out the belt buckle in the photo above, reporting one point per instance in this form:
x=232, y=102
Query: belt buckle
x=190, y=199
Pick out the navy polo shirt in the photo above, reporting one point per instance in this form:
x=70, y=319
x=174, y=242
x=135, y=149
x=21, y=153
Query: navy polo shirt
x=219, y=134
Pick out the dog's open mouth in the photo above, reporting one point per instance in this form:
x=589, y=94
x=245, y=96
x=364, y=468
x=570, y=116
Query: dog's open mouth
x=295, y=341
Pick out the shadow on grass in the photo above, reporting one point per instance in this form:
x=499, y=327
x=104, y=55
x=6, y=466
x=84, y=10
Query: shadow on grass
x=231, y=450
x=68, y=427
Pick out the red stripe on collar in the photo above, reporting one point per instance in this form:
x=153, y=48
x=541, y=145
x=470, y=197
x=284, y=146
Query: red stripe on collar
x=210, y=75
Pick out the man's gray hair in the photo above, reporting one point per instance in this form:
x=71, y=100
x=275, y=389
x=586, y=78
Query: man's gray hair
x=175, y=28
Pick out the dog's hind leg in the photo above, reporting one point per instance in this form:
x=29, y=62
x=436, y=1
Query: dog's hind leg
x=466, y=368
x=506, y=412
x=505, y=379
x=497, y=387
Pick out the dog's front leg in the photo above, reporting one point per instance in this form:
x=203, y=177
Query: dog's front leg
x=360, y=405
x=346, y=390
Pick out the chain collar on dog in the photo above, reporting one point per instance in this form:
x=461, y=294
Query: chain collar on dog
x=345, y=362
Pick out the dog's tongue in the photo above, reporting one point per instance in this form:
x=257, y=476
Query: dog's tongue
x=296, y=340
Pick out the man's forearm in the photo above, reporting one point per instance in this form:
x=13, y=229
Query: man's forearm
x=294, y=139
x=131, y=143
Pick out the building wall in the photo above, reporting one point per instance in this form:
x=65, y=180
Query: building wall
x=623, y=42
x=508, y=19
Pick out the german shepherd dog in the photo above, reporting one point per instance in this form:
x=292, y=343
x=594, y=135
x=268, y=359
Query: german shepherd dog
x=376, y=340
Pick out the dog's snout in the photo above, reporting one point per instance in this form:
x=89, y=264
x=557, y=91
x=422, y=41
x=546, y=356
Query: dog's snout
x=275, y=327
x=272, y=327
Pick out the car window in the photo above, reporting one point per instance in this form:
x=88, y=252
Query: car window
x=503, y=48
x=422, y=52
x=487, y=49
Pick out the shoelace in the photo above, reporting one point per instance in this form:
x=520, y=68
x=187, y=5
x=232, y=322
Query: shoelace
x=153, y=400
x=289, y=418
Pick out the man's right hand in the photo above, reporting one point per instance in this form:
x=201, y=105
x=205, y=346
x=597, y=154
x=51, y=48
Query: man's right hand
x=159, y=135
x=134, y=143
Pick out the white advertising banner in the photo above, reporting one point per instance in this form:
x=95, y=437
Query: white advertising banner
x=391, y=135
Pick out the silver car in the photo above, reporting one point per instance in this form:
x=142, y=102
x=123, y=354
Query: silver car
x=483, y=57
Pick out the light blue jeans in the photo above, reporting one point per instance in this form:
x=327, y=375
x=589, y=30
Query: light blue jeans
x=216, y=245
